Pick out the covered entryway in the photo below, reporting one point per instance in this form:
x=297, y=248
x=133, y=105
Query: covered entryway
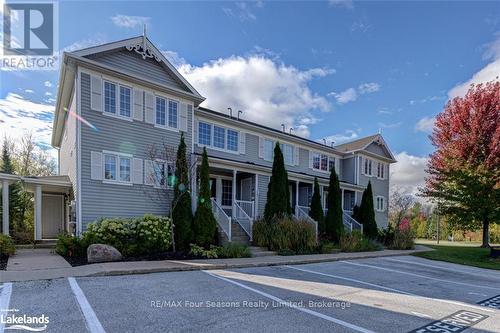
x=52, y=215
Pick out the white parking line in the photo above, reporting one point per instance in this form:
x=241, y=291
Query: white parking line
x=4, y=301
x=352, y=280
x=418, y=275
x=452, y=269
x=283, y=302
x=93, y=323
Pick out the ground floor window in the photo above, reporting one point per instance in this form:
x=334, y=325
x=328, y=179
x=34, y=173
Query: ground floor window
x=227, y=192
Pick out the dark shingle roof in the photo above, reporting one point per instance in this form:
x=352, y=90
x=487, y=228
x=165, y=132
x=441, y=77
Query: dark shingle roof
x=356, y=144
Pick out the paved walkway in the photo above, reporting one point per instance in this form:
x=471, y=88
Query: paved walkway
x=47, y=265
x=36, y=259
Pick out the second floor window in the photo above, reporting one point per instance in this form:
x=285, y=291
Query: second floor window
x=232, y=140
x=166, y=112
x=268, y=149
x=124, y=101
x=287, y=153
x=323, y=162
x=109, y=97
x=218, y=137
x=172, y=114
x=205, y=134
x=380, y=170
x=368, y=167
x=161, y=111
x=163, y=174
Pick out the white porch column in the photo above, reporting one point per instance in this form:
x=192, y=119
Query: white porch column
x=234, y=192
x=296, y=196
x=256, y=197
x=5, y=206
x=342, y=199
x=38, y=212
x=321, y=193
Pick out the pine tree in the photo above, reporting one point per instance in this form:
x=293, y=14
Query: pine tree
x=182, y=213
x=355, y=212
x=278, y=193
x=333, y=223
x=316, y=209
x=204, y=223
x=15, y=191
x=367, y=213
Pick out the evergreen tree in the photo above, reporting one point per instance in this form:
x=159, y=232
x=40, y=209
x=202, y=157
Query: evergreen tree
x=182, y=213
x=355, y=212
x=278, y=193
x=333, y=224
x=204, y=223
x=15, y=191
x=367, y=213
x=316, y=209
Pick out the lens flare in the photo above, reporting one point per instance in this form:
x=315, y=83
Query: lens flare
x=81, y=119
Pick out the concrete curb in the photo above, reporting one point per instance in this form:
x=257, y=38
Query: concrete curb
x=147, y=267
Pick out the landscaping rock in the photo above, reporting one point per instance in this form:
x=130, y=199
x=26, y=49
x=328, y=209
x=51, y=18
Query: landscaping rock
x=102, y=253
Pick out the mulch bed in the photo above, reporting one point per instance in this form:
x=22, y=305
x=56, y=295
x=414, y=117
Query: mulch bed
x=3, y=262
x=79, y=261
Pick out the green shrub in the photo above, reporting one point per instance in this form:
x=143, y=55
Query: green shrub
x=386, y=236
x=404, y=239
x=198, y=251
x=285, y=234
x=131, y=236
x=6, y=245
x=233, y=250
x=356, y=242
x=70, y=246
x=328, y=247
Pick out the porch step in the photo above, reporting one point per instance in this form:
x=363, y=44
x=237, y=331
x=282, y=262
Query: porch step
x=45, y=244
x=238, y=235
x=261, y=252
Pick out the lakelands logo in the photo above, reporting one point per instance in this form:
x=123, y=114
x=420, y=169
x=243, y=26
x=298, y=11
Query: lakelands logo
x=24, y=322
x=29, y=35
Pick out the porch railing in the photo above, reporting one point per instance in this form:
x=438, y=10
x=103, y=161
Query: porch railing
x=223, y=220
x=302, y=212
x=242, y=218
x=351, y=223
x=248, y=207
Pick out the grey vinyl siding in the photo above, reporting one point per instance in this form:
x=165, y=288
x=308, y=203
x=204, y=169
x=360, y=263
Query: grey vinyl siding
x=133, y=62
x=347, y=170
x=379, y=187
x=100, y=199
x=262, y=194
x=377, y=149
x=67, y=152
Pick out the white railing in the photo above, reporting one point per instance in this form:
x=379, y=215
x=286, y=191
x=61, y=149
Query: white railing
x=223, y=220
x=242, y=218
x=302, y=212
x=352, y=223
x=248, y=207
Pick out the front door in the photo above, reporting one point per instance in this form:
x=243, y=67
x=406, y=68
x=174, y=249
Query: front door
x=246, y=189
x=52, y=215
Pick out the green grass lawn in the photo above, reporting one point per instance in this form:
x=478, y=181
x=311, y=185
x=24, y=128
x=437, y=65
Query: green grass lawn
x=465, y=255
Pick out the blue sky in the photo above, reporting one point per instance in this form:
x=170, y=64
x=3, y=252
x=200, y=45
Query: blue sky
x=335, y=70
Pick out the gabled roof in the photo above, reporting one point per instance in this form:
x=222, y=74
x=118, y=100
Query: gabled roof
x=145, y=48
x=363, y=143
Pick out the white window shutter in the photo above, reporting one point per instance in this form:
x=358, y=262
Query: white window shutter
x=183, y=125
x=150, y=110
x=96, y=93
x=138, y=105
x=310, y=159
x=137, y=171
x=148, y=173
x=296, y=155
x=261, y=147
x=96, y=165
x=242, y=136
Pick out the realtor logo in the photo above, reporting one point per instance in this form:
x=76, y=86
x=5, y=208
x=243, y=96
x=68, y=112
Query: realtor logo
x=29, y=29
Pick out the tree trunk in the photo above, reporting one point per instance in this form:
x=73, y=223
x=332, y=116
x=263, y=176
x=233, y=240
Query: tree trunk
x=486, y=232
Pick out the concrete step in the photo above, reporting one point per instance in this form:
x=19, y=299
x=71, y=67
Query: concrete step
x=45, y=244
x=261, y=252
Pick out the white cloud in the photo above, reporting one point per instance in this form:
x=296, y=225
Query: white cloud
x=48, y=84
x=29, y=91
x=341, y=3
x=129, y=22
x=48, y=93
x=174, y=58
x=426, y=124
x=367, y=88
x=85, y=43
x=391, y=125
x=267, y=91
x=346, y=96
x=348, y=135
x=408, y=174
x=19, y=115
x=351, y=94
x=488, y=73
x=242, y=11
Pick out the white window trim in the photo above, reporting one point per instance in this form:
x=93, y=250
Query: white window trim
x=383, y=203
x=211, y=145
x=282, y=150
x=117, y=168
x=167, y=112
x=327, y=162
x=273, y=143
x=117, y=100
x=383, y=167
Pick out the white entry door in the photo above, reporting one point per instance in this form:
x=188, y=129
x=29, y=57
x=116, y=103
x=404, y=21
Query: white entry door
x=246, y=189
x=52, y=215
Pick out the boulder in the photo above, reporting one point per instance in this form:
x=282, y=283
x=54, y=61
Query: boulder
x=102, y=253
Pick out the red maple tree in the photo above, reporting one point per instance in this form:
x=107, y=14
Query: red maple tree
x=464, y=171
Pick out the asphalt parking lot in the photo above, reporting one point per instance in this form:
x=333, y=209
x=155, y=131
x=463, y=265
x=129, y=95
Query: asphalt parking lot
x=397, y=294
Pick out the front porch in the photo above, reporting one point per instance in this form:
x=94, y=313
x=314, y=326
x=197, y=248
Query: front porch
x=51, y=204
